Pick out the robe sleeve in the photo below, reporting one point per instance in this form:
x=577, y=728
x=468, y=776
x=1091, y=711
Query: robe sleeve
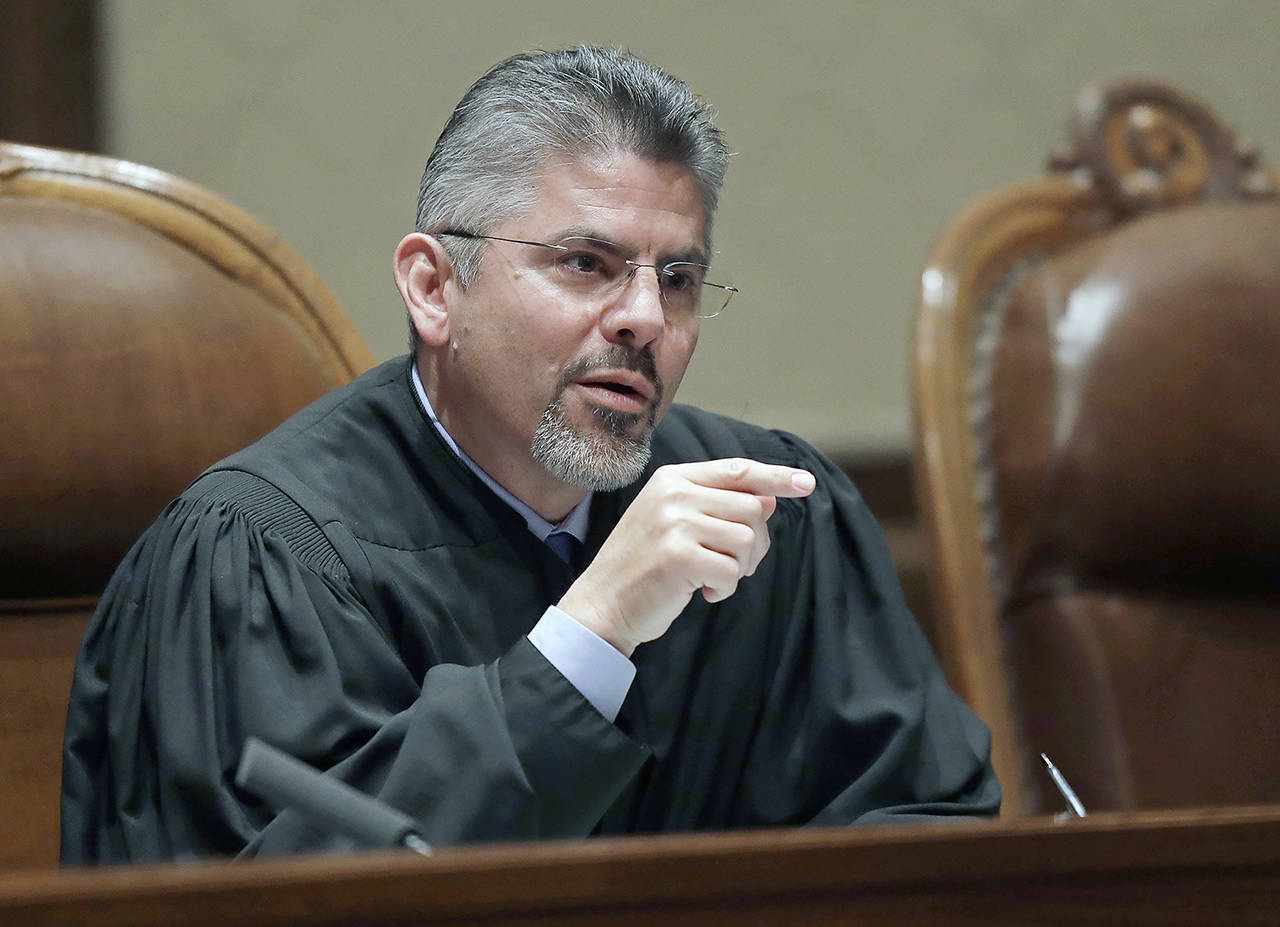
x=214, y=629
x=859, y=724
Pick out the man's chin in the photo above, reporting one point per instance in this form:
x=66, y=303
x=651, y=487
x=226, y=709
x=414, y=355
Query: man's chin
x=600, y=449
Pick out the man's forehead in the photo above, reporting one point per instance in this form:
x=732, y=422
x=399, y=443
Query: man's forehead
x=631, y=201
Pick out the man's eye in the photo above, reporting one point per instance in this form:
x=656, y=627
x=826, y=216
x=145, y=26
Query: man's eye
x=681, y=277
x=677, y=280
x=583, y=262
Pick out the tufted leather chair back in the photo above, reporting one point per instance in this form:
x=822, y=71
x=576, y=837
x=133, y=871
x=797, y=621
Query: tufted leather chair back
x=1098, y=455
x=149, y=328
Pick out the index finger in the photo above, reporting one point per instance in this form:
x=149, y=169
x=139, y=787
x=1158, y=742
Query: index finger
x=753, y=476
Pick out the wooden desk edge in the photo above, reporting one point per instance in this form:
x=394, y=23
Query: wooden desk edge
x=757, y=867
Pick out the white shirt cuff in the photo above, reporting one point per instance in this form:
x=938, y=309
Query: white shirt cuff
x=591, y=664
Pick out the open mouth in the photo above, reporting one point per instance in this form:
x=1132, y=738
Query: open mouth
x=622, y=388
x=624, y=394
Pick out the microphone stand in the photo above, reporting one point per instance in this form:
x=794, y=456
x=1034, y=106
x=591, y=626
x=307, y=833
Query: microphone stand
x=286, y=782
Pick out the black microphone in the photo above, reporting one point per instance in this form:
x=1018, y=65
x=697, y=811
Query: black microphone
x=285, y=782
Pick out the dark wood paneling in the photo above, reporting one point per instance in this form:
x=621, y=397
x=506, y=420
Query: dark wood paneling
x=49, y=87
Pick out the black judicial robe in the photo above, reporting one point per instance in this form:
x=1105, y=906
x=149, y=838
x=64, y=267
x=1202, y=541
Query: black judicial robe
x=348, y=591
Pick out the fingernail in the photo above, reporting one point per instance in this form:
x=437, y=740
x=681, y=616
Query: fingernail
x=803, y=481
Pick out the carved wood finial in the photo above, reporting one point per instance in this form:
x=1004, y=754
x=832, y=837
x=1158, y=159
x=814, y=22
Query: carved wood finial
x=1145, y=145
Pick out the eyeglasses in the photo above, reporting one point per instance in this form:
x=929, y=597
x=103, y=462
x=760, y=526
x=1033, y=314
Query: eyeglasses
x=595, y=269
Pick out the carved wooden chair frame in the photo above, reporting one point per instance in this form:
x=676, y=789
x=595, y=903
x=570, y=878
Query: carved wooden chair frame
x=232, y=239
x=1134, y=147
x=39, y=637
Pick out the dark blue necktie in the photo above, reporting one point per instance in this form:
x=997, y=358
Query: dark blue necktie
x=564, y=544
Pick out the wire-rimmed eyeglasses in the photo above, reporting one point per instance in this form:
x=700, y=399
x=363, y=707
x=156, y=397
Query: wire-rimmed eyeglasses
x=593, y=268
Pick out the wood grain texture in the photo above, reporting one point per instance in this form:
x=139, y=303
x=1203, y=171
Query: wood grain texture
x=1220, y=867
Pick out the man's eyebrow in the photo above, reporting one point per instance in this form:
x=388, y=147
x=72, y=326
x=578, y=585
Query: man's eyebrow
x=692, y=254
x=585, y=231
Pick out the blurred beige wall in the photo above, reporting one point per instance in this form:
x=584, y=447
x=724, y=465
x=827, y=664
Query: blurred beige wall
x=859, y=129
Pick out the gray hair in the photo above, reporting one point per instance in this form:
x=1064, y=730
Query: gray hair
x=577, y=103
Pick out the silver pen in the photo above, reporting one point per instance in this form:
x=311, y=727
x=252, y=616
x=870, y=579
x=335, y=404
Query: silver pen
x=1068, y=793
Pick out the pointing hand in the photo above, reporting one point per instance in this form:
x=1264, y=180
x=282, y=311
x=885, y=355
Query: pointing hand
x=697, y=526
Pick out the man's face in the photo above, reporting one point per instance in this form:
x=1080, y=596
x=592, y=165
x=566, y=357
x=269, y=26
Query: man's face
x=544, y=381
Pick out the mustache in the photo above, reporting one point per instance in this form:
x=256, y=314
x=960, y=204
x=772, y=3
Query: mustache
x=617, y=356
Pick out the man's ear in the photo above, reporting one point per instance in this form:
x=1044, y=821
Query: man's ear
x=422, y=270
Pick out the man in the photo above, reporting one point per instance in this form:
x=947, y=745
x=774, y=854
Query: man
x=484, y=584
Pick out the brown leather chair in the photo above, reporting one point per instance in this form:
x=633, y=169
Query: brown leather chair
x=148, y=329
x=1097, y=389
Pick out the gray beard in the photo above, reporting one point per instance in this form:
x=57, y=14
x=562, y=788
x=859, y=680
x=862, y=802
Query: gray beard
x=599, y=458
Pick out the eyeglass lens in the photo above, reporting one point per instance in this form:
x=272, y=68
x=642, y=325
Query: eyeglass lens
x=596, y=269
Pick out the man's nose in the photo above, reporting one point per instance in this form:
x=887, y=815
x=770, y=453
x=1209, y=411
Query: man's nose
x=635, y=313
